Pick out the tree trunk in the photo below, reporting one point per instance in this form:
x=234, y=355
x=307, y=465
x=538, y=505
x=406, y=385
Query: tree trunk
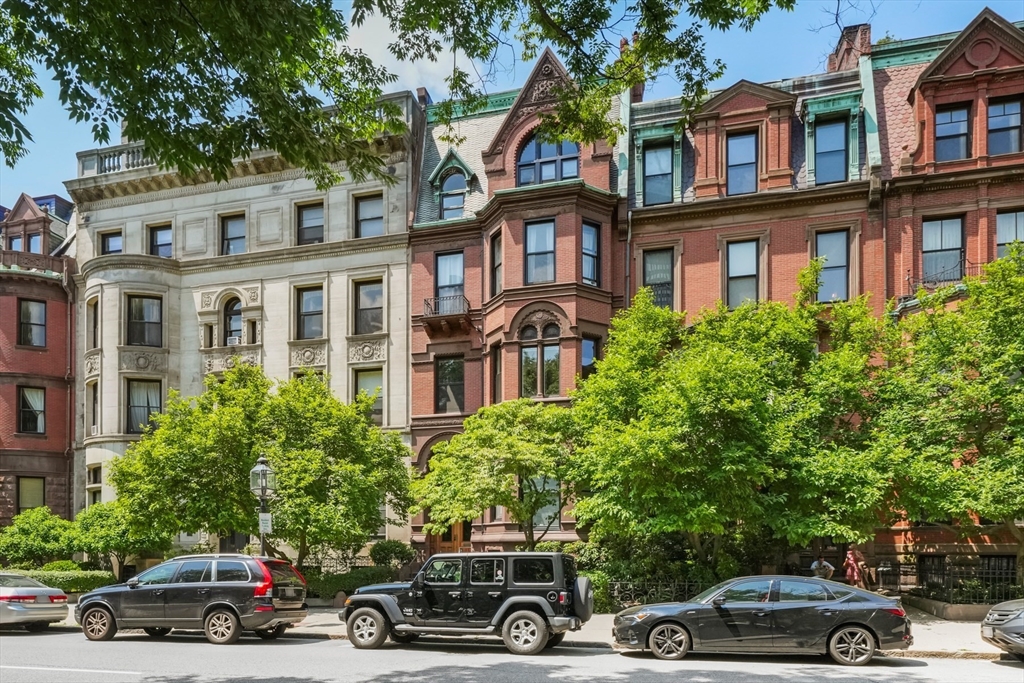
x=303, y=551
x=531, y=542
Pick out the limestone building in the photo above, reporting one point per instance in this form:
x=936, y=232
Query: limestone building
x=178, y=277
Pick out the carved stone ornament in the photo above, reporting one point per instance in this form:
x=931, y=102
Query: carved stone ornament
x=221, y=359
x=309, y=354
x=207, y=300
x=368, y=350
x=539, y=319
x=252, y=294
x=92, y=364
x=142, y=361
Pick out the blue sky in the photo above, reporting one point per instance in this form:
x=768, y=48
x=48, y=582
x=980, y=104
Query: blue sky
x=783, y=44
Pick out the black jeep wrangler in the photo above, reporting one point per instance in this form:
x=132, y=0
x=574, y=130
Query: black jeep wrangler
x=531, y=599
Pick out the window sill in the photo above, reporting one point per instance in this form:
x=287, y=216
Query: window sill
x=30, y=435
x=30, y=347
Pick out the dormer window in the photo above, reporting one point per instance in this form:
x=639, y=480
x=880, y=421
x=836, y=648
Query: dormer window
x=741, y=163
x=830, y=152
x=548, y=162
x=453, y=196
x=951, y=141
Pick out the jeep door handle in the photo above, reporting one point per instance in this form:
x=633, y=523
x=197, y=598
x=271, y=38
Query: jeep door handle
x=454, y=594
x=495, y=594
x=416, y=594
x=760, y=613
x=469, y=594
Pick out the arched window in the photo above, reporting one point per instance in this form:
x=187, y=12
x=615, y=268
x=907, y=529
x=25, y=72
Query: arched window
x=233, y=322
x=453, y=196
x=539, y=362
x=547, y=162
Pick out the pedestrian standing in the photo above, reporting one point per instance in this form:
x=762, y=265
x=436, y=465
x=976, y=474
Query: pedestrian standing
x=854, y=567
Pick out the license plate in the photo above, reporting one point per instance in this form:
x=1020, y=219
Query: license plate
x=986, y=631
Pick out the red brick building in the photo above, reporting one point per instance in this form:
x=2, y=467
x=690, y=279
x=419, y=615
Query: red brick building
x=36, y=359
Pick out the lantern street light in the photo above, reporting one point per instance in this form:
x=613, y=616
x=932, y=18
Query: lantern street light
x=263, y=483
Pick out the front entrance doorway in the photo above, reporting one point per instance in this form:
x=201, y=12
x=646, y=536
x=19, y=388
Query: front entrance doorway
x=454, y=540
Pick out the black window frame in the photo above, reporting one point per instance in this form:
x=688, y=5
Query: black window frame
x=131, y=426
x=438, y=408
x=15, y=242
x=227, y=243
x=105, y=239
x=27, y=412
x=497, y=261
x=659, y=292
x=729, y=277
x=966, y=135
x=377, y=412
x=1002, y=248
x=302, y=316
x=538, y=161
x=648, y=176
x=934, y=276
x=229, y=316
x=585, y=369
x=449, y=290
x=361, y=221
x=26, y=328
x=156, y=247
x=370, y=326
x=593, y=256
x=20, y=506
x=1019, y=137
x=540, y=343
x=845, y=122
x=845, y=267
x=459, y=193
x=528, y=268
x=496, y=373
x=134, y=326
x=302, y=231
x=729, y=166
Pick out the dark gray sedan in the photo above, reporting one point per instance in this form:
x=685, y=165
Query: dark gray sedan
x=770, y=615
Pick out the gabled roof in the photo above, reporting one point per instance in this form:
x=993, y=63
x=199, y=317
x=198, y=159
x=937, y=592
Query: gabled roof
x=771, y=96
x=25, y=209
x=450, y=160
x=537, y=94
x=978, y=53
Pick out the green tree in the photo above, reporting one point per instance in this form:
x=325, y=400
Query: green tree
x=734, y=423
x=202, y=82
x=37, y=536
x=953, y=423
x=513, y=454
x=104, y=530
x=334, y=467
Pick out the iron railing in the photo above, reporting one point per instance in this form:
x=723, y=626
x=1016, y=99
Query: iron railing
x=958, y=585
x=627, y=593
x=445, y=305
x=948, y=276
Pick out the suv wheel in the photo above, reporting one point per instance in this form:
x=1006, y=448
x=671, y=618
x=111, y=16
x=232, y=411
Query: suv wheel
x=222, y=627
x=367, y=628
x=272, y=633
x=404, y=637
x=525, y=633
x=97, y=624
x=156, y=632
x=669, y=641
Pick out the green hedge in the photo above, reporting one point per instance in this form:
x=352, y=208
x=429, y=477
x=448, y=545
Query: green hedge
x=326, y=586
x=61, y=566
x=603, y=603
x=72, y=582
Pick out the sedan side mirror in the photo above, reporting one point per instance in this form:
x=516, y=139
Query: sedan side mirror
x=132, y=582
x=719, y=601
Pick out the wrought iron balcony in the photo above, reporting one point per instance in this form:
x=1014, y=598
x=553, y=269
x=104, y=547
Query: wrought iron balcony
x=446, y=314
x=944, y=277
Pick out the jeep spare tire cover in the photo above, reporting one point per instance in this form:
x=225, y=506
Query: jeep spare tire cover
x=583, y=598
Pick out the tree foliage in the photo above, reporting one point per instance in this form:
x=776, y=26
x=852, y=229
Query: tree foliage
x=104, y=531
x=513, y=454
x=202, y=82
x=334, y=467
x=37, y=536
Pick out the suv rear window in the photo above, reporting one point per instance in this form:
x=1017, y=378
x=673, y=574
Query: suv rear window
x=232, y=571
x=533, y=570
x=282, y=572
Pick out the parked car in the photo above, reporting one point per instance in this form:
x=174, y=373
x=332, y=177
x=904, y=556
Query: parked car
x=29, y=603
x=222, y=594
x=770, y=615
x=1004, y=627
x=530, y=599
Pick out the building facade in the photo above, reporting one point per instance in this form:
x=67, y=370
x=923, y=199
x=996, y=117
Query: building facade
x=181, y=278
x=37, y=369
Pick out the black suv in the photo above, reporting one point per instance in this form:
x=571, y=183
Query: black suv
x=221, y=594
x=531, y=599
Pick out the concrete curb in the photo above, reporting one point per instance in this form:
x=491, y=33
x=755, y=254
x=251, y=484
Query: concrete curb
x=943, y=654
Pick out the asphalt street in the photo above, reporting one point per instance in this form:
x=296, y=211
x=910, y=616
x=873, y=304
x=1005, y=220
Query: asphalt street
x=69, y=657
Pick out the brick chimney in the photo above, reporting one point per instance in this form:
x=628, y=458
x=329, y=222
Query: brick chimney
x=854, y=42
x=636, y=93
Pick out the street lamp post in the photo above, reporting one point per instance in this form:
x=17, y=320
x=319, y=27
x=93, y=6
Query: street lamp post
x=263, y=483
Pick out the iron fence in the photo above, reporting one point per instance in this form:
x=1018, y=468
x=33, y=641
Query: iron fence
x=627, y=593
x=341, y=565
x=958, y=585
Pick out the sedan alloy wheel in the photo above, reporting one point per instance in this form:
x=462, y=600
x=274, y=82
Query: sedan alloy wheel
x=669, y=641
x=852, y=646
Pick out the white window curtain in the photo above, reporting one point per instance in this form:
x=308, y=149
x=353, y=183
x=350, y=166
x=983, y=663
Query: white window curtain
x=36, y=400
x=449, y=270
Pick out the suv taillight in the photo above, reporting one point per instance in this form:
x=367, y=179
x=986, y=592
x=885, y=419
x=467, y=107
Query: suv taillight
x=563, y=598
x=266, y=585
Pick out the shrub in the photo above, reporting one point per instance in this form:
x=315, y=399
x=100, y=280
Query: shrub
x=61, y=566
x=326, y=586
x=37, y=536
x=72, y=582
x=395, y=554
x=603, y=602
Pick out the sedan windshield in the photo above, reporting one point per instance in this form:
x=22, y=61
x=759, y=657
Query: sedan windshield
x=701, y=597
x=11, y=581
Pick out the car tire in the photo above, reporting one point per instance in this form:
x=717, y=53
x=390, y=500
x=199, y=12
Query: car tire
x=852, y=645
x=669, y=641
x=403, y=638
x=1020, y=657
x=157, y=632
x=37, y=626
x=272, y=633
x=525, y=633
x=98, y=624
x=367, y=629
x=555, y=640
x=222, y=627
x=583, y=598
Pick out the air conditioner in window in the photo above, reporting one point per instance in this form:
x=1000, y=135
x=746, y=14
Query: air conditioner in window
x=94, y=430
x=234, y=341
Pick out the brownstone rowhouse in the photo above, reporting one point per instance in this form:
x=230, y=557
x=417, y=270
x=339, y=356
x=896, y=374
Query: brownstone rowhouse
x=36, y=360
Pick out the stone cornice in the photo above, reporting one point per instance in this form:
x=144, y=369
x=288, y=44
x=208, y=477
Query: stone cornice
x=964, y=178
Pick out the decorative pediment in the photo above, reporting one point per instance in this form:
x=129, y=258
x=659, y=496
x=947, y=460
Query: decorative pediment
x=538, y=94
x=25, y=209
x=744, y=96
x=451, y=160
x=988, y=42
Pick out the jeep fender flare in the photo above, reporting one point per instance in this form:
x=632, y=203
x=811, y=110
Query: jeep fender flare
x=385, y=603
x=519, y=602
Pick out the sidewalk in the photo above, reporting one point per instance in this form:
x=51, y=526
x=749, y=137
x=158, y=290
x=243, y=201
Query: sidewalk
x=933, y=637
